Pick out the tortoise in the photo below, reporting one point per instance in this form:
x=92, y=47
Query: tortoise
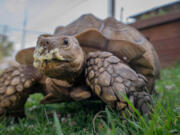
x=89, y=59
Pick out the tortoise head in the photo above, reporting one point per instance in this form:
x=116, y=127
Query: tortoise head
x=58, y=57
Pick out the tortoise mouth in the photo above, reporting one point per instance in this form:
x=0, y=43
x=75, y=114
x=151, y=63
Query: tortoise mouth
x=47, y=65
x=56, y=60
x=55, y=68
x=55, y=64
x=44, y=59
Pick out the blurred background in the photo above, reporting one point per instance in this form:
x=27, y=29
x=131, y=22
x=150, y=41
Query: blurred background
x=23, y=20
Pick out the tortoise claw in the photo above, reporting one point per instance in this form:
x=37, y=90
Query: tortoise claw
x=80, y=93
x=50, y=99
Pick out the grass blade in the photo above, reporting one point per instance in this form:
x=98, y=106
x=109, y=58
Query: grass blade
x=57, y=124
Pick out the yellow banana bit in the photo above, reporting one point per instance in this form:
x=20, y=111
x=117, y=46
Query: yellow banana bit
x=59, y=57
x=36, y=64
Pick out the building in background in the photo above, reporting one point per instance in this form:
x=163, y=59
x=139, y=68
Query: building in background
x=158, y=11
x=161, y=26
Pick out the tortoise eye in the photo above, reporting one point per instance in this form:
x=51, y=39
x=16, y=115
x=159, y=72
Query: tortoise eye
x=65, y=42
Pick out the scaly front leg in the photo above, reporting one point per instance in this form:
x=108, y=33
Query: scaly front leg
x=110, y=78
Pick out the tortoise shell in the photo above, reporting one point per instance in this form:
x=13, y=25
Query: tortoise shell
x=133, y=47
x=109, y=35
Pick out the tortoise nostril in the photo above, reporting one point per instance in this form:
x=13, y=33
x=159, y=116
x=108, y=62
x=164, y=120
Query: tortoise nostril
x=46, y=61
x=44, y=42
x=41, y=43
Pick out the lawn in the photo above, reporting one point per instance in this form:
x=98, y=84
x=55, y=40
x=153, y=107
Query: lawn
x=86, y=118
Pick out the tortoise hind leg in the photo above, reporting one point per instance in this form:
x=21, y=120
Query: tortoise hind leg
x=16, y=83
x=110, y=78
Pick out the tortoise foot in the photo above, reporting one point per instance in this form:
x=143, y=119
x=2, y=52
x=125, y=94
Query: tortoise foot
x=142, y=101
x=111, y=79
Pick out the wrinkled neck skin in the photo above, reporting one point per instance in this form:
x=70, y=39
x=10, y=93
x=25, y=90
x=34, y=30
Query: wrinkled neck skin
x=74, y=73
x=72, y=77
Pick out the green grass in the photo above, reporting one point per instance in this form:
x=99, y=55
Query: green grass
x=85, y=118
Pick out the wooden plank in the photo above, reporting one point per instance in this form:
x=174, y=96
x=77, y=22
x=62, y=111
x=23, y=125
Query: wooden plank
x=168, y=43
x=163, y=32
x=157, y=20
x=168, y=51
